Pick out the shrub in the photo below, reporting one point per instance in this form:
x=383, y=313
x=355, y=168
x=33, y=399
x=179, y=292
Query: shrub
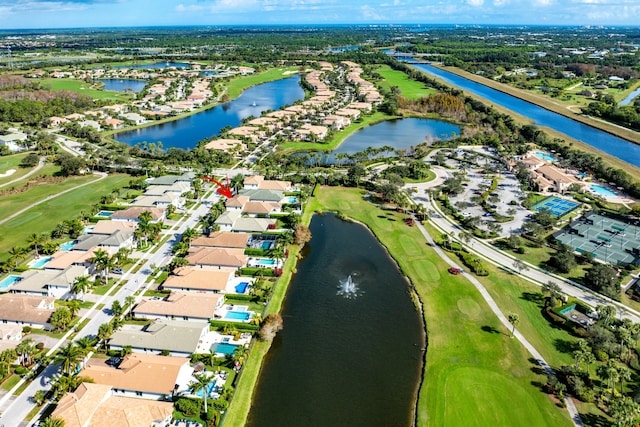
x=40, y=346
x=20, y=370
x=26, y=329
x=189, y=407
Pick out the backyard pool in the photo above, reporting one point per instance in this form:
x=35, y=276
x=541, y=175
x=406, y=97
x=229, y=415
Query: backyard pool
x=8, y=281
x=291, y=200
x=224, y=348
x=266, y=245
x=264, y=262
x=241, y=316
x=544, y=156
x=68, y=245
x=241, y=288
x=104, y=214
x=40, y=262
x=210, y=388
x=603, y=191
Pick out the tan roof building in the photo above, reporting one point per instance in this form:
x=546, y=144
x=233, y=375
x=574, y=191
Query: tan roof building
x=93, y=405
x=196, y=279
x=225, y=144
x=181, y=305
x=258, y=182
x=146, y=374
x=261, y=208
x=217, y=257
x=132, y=214
x=64, y=259
x=109, y=227
x=222, y=239
x=26, y=309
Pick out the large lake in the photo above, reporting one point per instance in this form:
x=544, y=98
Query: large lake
x=610, y=144
x=343, y=361
x=186, y=132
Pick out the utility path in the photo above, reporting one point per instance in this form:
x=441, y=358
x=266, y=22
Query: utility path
x=102, y=175
x=573, y=411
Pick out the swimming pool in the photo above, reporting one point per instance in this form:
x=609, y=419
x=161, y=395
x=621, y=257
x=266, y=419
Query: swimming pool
x=68, y=245
x=291, y=200
x=241, y=288
x=224, y=348
x=88, y=229
x=265, y=262
x=266, y=245
x=8, y=281
x=210, y=388
x=241, y=316
x=555, y=205
x=104, y=214
x=39, y=263
x=603, y=191
x=544, y=156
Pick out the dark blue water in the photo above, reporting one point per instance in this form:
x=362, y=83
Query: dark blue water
x=401, y=134
x=339, y=361
x=608, y=143
x=186, y=132
x=125, y=85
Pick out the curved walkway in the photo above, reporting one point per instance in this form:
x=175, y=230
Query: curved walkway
x=28, y=174
x=53, y=196
x=573, y=411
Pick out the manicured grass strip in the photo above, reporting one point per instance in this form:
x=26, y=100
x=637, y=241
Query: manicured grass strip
x=44, y=217
x=475, y=374
x=84, y=88
x=339, y=136
x=409, y=89
x=236, y=86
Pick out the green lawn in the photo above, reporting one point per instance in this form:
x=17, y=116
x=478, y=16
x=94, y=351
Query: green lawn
x=44, y=217
x=475, y=374
x=410, y=89
x=80, y=86
x=236, y=86
x=12, y=162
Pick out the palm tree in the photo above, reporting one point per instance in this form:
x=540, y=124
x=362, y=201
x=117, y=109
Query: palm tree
x=25, y=350
x=17, y=254
x=104, y=332
x=102, y=261
x=69, y=356
x=52, y=422
x=6, y=359
x=201, y=382
x=129, y=302
x=74, y=307
x=624, y=374
x=514, y=319
x=589, y=358
x=80, y=286
x=34, y=240
x=624, y=410
x=85, y=344
x=240, y=354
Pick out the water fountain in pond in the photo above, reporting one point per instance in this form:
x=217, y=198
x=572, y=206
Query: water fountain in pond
x=348, y=288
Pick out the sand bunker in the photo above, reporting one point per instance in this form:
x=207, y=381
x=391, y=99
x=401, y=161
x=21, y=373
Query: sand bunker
x=7, y=173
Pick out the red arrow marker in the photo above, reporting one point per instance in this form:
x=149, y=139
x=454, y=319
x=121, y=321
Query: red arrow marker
x=224, y=190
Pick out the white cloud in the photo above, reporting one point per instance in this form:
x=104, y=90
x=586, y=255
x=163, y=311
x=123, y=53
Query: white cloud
x=499, y=3
x=369, y=13
x=542, y=3
x=475, y=2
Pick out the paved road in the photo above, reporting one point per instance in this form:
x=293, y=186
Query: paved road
x=28, y=174
x=16, y=409
x=102, y=175
x=575, y=416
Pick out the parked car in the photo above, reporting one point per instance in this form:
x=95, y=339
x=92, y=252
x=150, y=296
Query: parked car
x=117, y=270
x=454, y=270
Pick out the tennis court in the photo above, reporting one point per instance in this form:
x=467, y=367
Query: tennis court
x=615, y=240
x=555, y=205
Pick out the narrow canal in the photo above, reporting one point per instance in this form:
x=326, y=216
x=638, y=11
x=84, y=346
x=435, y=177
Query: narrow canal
x=610, y=144
x=351, y=350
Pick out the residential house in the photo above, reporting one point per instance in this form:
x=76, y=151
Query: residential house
x=132, y=214
x=52, y=283
x=95, y=405
x=143, y=376
x=180, y=305
x=227, y=258
x=191, y=279
x=24, y=310
x=178, y=337
x=222, y=239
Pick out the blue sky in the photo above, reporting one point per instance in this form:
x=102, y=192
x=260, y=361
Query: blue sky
x=101, y=13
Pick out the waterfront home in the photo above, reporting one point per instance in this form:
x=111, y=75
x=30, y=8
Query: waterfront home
x=336, y=122
x=95, y=405
x=52, y=283
x=143, y=376
x=199, y=280
x=135, y=118
x=222, y=239
x=112, y=123
x=254, y=225
x=260, y=195
x=261, y=209
x=180, y=305
x=24, y=310
x=227, y=258
x=364, y=106
x=178, y=337
x=225, y=144
x=307, y=132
